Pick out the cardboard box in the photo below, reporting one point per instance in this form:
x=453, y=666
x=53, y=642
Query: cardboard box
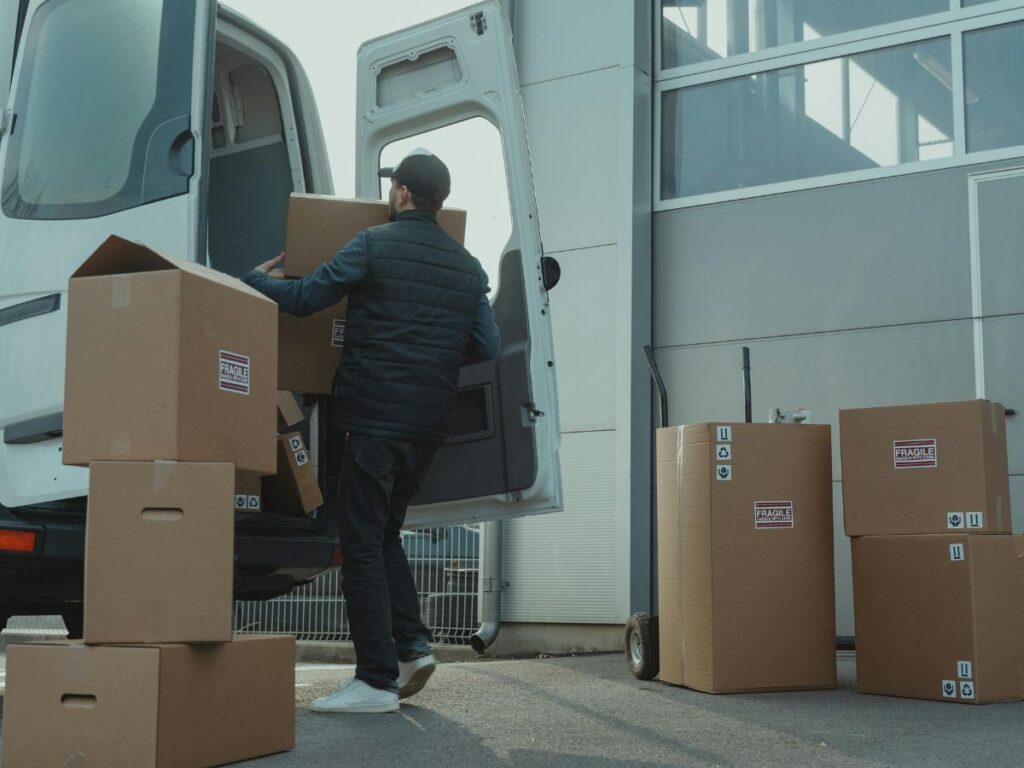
x=309, y=350
x=319, y=226
x=745, y=569
x=159, y=552
x=940, y=616
x=167, y=360
x=155, y=706
x=248, y=492
x=925, y=469
x=294, y=490
x=289, y=412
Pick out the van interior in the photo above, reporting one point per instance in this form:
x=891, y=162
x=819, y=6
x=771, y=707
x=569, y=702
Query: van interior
x=251, y=169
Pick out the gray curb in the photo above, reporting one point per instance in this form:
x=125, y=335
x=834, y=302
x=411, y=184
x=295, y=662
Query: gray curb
x=343, y=653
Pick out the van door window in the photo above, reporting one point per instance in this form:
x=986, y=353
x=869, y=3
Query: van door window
x=102, y=109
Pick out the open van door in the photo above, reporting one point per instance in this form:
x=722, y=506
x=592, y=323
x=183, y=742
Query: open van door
x=106, y=132
x=501, y=458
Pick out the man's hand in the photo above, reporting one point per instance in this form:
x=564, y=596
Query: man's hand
x=266, y=266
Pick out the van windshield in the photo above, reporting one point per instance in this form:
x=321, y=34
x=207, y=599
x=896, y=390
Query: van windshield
x=103, y=96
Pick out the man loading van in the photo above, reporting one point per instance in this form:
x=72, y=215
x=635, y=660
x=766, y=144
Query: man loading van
x=417, y=311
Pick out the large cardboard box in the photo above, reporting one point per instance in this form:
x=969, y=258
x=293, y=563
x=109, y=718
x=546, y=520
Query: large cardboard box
x=154, y=706
x=319, y=226
x=167, y=360
x=917, y=469
x=294, y=490
x=745, y=569
x=159, y=552
x=940, y=616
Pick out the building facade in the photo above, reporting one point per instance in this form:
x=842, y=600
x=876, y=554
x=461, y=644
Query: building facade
x=835, y=185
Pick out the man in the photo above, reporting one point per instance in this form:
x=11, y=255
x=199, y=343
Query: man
x=417, y=310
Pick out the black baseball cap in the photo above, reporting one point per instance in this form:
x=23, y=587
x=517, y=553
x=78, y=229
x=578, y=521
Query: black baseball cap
x=423, y=173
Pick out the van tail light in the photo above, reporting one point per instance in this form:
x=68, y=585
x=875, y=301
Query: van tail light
x=17, y=541
x=336, y=557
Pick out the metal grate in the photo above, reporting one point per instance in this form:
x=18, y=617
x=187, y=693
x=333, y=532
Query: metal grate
x=472, y=416
x=445, y=564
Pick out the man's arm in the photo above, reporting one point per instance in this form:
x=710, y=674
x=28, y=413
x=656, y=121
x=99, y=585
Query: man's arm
x=326, y=286
x=485, y=338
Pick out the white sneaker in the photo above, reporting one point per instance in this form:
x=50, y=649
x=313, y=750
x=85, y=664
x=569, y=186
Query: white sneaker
x=413, y=675
x=356, y=696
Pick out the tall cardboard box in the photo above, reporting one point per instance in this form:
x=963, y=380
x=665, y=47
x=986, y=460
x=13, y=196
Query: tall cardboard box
x=159, y=552
x=167, y=360
x=289, y=412
x=745, y=568
x=934, y=468
x=940, y=616
x=294, y=490
x=319, y=226
x=152, y=706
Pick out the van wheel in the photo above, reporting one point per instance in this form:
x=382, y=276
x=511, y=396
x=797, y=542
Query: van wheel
x=642, y=645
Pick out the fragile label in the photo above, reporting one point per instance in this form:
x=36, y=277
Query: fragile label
x=949, y=689
x=975, y=520
x=338, y=333
x=773, y=514
x=956, y=553
x=724, y=472
x=725, y=434
x=234, y=373
x=915, y=454
x=955, y=519
x=966, y=689
x=963, y=670
x=723, y=452
x=241, y=502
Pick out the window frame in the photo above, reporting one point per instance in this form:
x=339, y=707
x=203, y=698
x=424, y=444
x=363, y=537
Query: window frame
x=952, y=24
x=12, y=149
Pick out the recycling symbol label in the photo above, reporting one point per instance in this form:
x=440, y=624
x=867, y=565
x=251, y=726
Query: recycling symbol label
x=254, y=502
x=724, y=472
x=954, y=519
x=724, y=452
x=948, y=689
x=967, y=689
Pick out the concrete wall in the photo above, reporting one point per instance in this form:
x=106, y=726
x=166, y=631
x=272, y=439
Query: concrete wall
x=586, y=93
x=848, y=296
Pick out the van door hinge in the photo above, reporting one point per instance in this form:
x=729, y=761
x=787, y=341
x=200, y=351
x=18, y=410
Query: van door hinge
x=6, y=119
x=478, y=22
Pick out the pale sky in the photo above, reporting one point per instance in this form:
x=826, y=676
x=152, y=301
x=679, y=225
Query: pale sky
x=325, y=35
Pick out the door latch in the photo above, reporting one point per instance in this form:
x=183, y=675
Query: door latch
x=6, y=121
x=478, y=22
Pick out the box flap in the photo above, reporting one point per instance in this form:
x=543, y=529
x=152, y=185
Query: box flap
x=119, y=256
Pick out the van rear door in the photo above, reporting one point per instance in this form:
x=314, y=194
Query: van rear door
x=9, y=14
x=110, y=110
x=501, y=458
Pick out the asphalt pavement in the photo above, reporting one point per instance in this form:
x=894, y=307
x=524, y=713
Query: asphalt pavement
x=588, y=712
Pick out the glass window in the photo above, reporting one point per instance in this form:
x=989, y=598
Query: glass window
x=102, y=106
x=693, y=31
x=871, y=110
x=993, y=59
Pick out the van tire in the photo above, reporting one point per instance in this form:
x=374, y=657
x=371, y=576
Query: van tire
x=642, y=645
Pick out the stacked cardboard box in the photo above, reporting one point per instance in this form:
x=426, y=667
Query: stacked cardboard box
x=318, y=227
x=938, y=579
x=745, y=563
x=171, y=385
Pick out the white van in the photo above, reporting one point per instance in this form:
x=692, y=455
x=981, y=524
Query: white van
x=181, y=124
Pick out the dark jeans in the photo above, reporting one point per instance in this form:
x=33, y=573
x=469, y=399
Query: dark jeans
x=378, y=477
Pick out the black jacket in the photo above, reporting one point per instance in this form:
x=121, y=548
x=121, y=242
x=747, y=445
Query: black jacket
x=417, y=308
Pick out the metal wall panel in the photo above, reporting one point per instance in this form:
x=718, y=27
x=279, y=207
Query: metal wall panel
x=823, y=372
x=1001, y=232
x=1004, y=378
x=559, y=567
x=583, y=318
x=574, y=144
x=567, y=37
x=878, y=253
